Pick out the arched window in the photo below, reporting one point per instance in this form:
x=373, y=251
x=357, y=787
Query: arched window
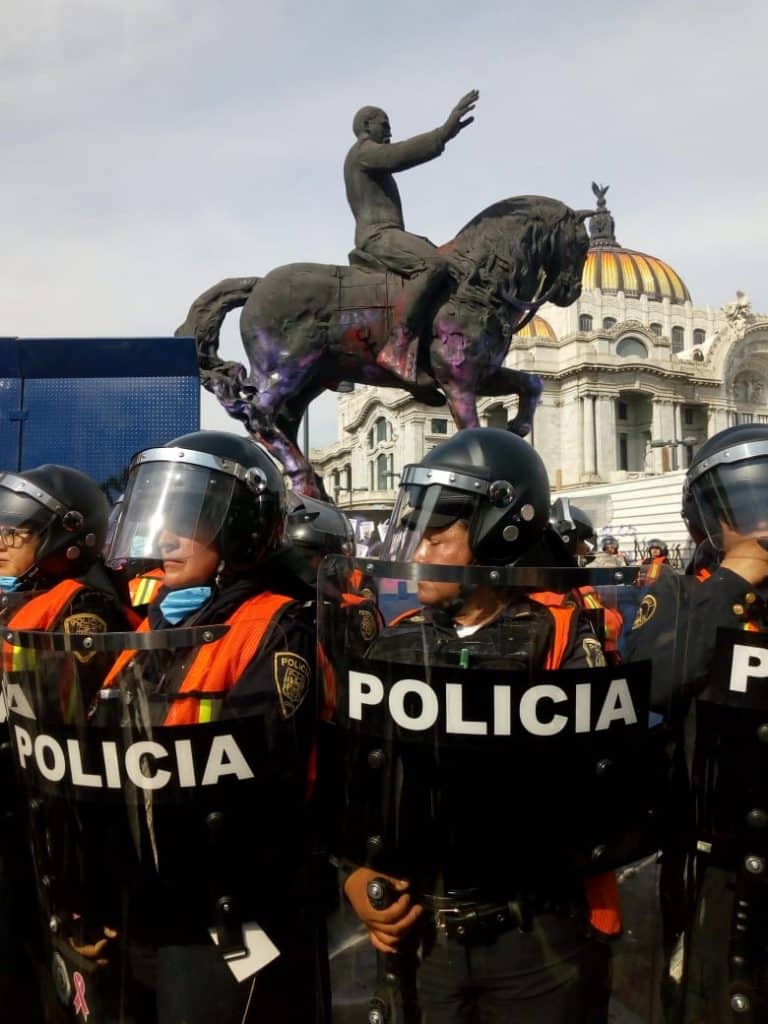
x=384, y=474
x=631, y=348
x=699, y=336
x=656, y=329
x=678, y=339
x=585, y=322
x=609, y=322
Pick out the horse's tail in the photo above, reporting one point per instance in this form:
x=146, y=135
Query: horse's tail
x=203, y=323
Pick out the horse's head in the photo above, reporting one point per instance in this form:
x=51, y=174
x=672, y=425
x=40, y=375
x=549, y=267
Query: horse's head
x=522, y=252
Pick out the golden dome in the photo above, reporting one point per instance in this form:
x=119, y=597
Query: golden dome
x=614, y=269
x=537, y=328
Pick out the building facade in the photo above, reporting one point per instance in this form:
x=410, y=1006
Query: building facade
x=635, y=378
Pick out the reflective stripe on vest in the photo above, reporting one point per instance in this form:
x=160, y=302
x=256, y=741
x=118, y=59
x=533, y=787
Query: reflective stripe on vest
x=217, y=666
x=143, y=589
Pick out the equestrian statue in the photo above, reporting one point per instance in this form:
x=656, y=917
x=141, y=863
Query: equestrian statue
x=436, y=321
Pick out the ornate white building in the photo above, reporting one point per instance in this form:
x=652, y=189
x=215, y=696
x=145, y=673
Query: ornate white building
x=635, y=378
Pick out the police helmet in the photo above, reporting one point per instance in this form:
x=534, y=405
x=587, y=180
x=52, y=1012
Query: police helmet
x=213, y=487
x=609, y=541
x=492, y=479
x=65, y=508
x=655, y=542
x=571, y=523
x=726, y=487
x=313, y=530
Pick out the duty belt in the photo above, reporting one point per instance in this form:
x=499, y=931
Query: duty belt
x=472, y=921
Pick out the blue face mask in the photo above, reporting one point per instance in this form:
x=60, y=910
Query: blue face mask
x=178, y=604
x=8, y=583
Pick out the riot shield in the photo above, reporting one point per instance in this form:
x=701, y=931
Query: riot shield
x=167, y=834
x=496, y=752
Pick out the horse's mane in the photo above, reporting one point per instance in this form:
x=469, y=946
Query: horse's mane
x=506, y=240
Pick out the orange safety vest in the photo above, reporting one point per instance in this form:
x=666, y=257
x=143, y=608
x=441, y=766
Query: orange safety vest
x=40, y=613
x=217, y=666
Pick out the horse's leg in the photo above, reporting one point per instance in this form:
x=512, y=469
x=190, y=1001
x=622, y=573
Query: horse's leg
x=527, y=386
x=273, y=381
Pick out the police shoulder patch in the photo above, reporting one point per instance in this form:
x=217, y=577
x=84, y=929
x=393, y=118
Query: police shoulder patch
x=645, y=611
x=369, y=627
x=593, y=652
x=84, y=623
x=292, y=679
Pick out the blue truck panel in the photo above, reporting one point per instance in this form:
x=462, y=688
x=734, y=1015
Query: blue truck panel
x=92, y=403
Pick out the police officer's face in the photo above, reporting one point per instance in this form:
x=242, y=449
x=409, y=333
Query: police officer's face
x=447, y=545
x=187, y=562
x=18, y=548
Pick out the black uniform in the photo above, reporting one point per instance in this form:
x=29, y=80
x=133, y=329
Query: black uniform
x=177, y=974
x=524, y=940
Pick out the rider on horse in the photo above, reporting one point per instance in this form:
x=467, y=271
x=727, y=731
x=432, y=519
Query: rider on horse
x=379, y=227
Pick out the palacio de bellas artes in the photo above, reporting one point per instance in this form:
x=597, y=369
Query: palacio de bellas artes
x=636, y=375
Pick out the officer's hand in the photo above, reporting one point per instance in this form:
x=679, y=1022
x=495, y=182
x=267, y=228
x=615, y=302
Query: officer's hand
x=455, y=124
x=94, y=950
x=386, y=927
x=748, y=559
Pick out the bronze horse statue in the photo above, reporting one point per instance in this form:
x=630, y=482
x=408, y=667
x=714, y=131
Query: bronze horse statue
x=306, y=327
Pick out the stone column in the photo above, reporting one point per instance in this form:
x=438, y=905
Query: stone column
x=588, y=434
x=605, y=424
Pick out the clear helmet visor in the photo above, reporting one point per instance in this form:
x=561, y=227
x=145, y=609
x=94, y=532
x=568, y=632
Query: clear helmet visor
x=165, y=501
x=732, y=502
x=424, y=508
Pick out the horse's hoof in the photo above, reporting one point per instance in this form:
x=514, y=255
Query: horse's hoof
x=522, y=429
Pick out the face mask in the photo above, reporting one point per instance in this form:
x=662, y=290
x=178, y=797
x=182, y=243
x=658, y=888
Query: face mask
x=177, y=604
x=8, y=583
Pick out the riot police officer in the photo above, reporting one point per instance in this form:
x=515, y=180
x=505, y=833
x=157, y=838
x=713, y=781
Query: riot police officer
x=502, y=931
x=658, y=552
x=211, y=506
x=53, y=521
x=703, y=634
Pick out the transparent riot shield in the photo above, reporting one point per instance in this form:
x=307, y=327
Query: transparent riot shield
x=495, y=751
x=166, y=828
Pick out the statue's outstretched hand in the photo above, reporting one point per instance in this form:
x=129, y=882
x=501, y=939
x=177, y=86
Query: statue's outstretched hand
x=457, y=119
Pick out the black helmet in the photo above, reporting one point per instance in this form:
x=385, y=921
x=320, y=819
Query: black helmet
x=211, y=486
x=66, y=508
x=492, y=479
x=572, y=523
x=655, y=542
x=609, y=541
x=318, y=527
x=727, y=484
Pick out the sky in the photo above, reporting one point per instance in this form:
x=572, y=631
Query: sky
x=154, y=147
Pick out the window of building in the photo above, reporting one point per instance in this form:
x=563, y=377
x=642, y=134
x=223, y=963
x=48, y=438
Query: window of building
x=699, y=336
x=623, y=452
x=622, y=410
x=347, y=476
x=438, y=426
x=656, y=329
x=630, y=348
x=688, y=416
x=496, y=416
x=382, y=430
x=384, y=475
x=609, y=322
x=678, y=339
x=370, y=438
x=585, y=322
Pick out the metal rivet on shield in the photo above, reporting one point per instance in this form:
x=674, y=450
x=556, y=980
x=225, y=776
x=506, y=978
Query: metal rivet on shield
x=740, y=1003
x=510, y=533
x=494, y=576
x=73, y=553
x=370, y=567
x=376, y=758
x=527, y=513
x=373, y=844
x=757, y=818
x=754, y=865
x=87, y=642
x=738, y=961
x=207, y=636
x=54, y=924
x=599, y=852
x=762, y=732
x=603, y=766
